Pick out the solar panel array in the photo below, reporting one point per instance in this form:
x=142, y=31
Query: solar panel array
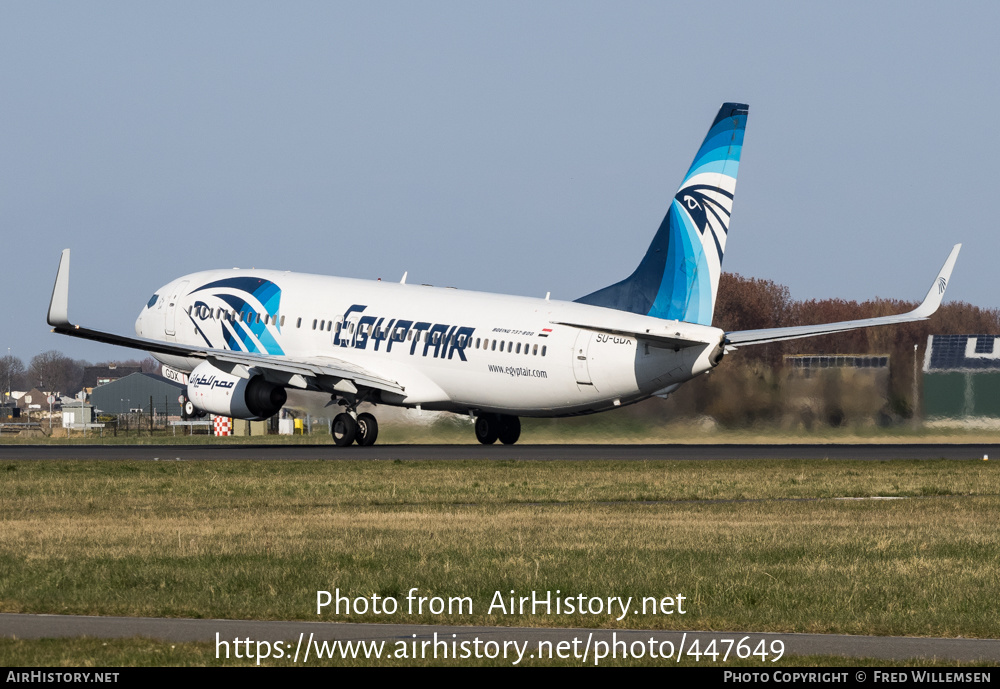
x=963, y=353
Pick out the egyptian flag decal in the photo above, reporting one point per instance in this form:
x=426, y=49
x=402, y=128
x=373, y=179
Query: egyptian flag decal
x=545, y=332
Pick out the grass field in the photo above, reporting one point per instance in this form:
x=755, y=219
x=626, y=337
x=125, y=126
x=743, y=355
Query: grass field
x=756, y=545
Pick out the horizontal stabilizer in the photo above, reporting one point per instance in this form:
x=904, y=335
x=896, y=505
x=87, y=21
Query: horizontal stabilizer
x=657, y=337
x=930, y=304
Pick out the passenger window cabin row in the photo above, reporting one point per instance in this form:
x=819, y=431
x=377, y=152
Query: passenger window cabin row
x=399, y=334
x=240, y=316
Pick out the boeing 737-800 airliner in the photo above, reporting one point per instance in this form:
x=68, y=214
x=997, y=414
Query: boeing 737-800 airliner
x=246, y=336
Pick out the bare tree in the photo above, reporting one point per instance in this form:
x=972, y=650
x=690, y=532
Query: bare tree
x=750, y=304
x=11, y=373
x=53, y=371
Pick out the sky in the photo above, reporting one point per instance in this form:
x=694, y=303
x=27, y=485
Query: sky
x=514, y=147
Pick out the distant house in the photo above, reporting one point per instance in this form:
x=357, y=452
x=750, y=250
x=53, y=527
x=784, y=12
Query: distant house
x=962, y=376
x=34, y=399
x=135, y=392
x=95, y=376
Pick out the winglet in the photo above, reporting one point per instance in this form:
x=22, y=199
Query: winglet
x=936, y=293
x=59, y=304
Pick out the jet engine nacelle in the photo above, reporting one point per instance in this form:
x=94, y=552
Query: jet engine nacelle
x=226, y=394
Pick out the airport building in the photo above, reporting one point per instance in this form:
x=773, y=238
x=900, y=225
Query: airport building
x=136, y=392
x=962, y=376
x=96, y=376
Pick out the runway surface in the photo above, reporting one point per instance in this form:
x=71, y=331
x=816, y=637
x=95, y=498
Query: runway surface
x=884, y=647
x=874, y=452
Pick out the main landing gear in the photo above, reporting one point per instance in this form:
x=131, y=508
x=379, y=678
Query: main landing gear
x=493, y=427
x=346, y=429
x=349, y=427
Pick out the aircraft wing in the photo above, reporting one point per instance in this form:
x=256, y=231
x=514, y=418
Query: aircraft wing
x=930, y=304
x=326, y=374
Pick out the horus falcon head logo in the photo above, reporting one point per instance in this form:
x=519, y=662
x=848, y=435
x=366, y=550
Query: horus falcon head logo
x=709, y=208
x=706, y=205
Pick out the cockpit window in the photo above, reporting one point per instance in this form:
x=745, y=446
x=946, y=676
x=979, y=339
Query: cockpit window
x=152, y=300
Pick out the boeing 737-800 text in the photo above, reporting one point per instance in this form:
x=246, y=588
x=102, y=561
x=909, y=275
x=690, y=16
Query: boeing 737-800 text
x=246, y=336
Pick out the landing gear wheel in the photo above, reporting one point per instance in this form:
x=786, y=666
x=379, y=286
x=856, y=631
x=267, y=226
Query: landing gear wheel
x=189, y=410
x=345, y=429
x=510, y=429
x=487, y=428
x=367, y=430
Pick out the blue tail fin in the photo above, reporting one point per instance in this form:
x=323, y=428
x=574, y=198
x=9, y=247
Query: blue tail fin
x=679, y=276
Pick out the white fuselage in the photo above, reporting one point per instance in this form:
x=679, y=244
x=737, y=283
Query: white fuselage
x=449, y=349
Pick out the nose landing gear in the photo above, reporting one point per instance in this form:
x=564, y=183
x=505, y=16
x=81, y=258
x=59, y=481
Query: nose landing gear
x=188, y=410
